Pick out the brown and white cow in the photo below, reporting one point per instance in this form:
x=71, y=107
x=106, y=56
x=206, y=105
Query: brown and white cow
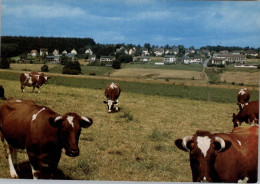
x=33, y=79
x=2, y=93
x=223, y=157
x=243, y=97
x=248, y=114
x=112, y=92
x=41, y=133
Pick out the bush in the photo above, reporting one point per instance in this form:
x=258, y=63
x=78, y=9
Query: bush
x=116, y=64
x=72, y=67
x=4, y=63
x=45, y=68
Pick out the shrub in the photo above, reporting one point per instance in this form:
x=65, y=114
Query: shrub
x=92, y=74
x=45, y=68
x=72, y=67
x=4, y=63
x=116, y=64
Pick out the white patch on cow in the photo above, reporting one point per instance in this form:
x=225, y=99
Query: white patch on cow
x=242, y=105
x=203, y=144
x=242, y=92
x=35, y=176
x=112, y=85
x=70, y=120
x=238, y=124
x=46, y=78
x=239, y=142
x=18, y=101
x=28, y=78
x=11, y=164
x=204, y=179
x=110, y=103
x=35, y=115
x=85, y=119
x=38, y=77
x=245, y=180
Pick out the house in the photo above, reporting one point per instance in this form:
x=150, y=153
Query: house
x=219, y=60
x=158, y=51
x=92, y=58
x=89, y=51
x=73, y=51
x=65, y=52
x=43, y=51
x=145, y=51
x=33, y=53
x=169, y=51
x=132, y=51
x=169, y=59
x=233, y=58
x=54, y=59
x=223, y=52
x=251, y=53
x=56, y=52
x=143, y=59
x=204, y=52
x=176, y=50
x=189, y=51
x=106, y=58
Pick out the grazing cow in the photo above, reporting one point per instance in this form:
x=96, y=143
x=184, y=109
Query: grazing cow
x=112, y=93
x=249, y=114
x=2, y=93
x=41, y=133
x=243, y=97
x=223, y=157
x=33, y=79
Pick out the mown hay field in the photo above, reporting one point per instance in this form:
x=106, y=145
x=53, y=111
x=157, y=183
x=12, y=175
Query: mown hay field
x=135, y=144
x=241, y=77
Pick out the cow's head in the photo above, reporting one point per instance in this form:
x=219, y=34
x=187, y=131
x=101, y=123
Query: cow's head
x=203, y=148
x=236, y=121
x=70, y=126
x=110, y=104
x=45, y=79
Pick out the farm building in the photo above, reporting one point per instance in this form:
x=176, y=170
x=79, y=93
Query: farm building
x=107, y=58
x=158, y=51
x=73, y=51
x=169, y=59
x=43, y=51
x=230, y=58
x=89, y=51
x=54, y=59
x=143, y=59
x=56, y=52
x=33, y=53
x=251, y=53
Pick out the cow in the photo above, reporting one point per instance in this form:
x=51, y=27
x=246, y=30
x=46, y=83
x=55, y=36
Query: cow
x=2, y=93
x=112, y=92
x=243, y=97
x=223, y=157
x=41, y=133
x=249, y=114
x=33, y=79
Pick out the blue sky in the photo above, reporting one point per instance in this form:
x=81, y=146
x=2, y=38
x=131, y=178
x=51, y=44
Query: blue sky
x=158, y=22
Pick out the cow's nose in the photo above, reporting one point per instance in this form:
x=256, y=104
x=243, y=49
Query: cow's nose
x=109, y=110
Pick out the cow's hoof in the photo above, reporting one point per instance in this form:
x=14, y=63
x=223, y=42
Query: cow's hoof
x=14, y=176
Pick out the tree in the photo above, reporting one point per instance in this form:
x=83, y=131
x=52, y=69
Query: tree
x=116, y=64
x=4, y=63
x=45, y=68
x=72, y=67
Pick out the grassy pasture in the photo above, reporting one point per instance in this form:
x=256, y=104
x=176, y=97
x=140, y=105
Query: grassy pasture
x=241, y=77
x=135, y=144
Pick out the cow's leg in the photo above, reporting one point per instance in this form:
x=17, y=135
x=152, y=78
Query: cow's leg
x=38, y=89
x=33, y=89
x=22, y=88
x=117, y=105
x=252, y=120
x=34, y=166
x=12, y=158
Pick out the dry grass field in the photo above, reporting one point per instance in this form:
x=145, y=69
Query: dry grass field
x=142, y=73
x=241, y=77
x=135, y=144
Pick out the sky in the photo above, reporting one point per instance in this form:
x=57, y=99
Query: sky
x=158, y=22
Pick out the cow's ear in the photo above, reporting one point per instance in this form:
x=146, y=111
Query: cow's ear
x=187, y=147
x=56, y=121
x=85, y=122
x=221, y=145
x=105, y=102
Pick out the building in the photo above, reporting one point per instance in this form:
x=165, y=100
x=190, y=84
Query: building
x=33, y=53
x=251, y=53
x=73, y=51
x=107, y=58
x=169, y=59
x=158, y=51
x=56, y=52
x=92, y=58
x=228, y=58
x=43, y=51
x=53, y=59
x=143, y=59
x=89, y=51
x=65, y=52
x=145, y=51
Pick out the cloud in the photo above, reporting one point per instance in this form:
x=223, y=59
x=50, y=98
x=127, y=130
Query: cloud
x=42, y=11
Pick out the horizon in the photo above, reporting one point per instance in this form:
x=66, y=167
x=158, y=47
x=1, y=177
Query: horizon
x=191, y=23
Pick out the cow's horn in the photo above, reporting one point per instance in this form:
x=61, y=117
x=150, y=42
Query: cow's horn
x=221, y=142
x=57, y=118
x=185, y=141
